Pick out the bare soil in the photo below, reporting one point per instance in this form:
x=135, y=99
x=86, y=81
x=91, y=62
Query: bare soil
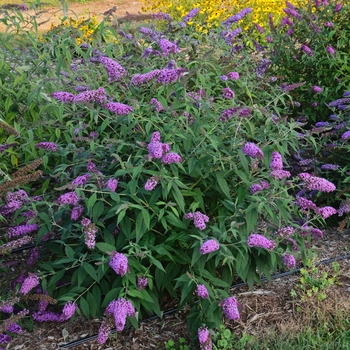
x=46, y=16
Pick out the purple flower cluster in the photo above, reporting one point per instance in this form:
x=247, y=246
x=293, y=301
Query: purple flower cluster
x=228, y=93
x=21, y=230
x=314, y=183
x=329, y=167
x=167, y=76
x=68, y=310
x=158, y=106
x=119, y=263
x=198, y=218
x=112, y=184
x=305, y=204
x=316, y=89
x=338, y=102
x=259, y=241
x=326, y=212
x=29, y=283
x=5, y=146
x=34, y=255
x=63, y=96
x=150, y=33
x=236, y=18
x=68, y=198
x=81, y=180
x=252, y=150
x=168, y=47
x=204, y=338
x=118, y=108
x=230, y=308
x=344, y=208
x=202, y=291
x=171, y=157
x=330, y=49
x=77, y=212
x=190, y=15
x=119, y=309
x=209, y=246
x=306, y=49
x=276, y=161
x=92, y=96
x=114, y=70
x=151, y=183
x=139, y=79
x=345, y=135
x=233, y=75
x=142, y=282
x=259, y=187
x=49, y=146
x=289, y=261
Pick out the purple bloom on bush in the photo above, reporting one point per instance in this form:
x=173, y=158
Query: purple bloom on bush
x=139, y=79
x=77, y=212
x=276, y=161
x=306, y=49
x=198, y=218
x=191, y=14
x=81, y=180
x=329, y=167
x=34, y=255
x=4, y=338
x=202, y=291
x=314, y=104
x=330, y=50
x=118, y=108
x=151, y=183
x=114, y=70
x=68, y=198
x=155, y=149
x=49, y=146
x=317, y=183
x=223, y=77
x=204, y=338
x=280, y=174
x=338, y=7
x=119, y=263
x=142, y=282
x=92, y=96
x=21, y=230
x=112, y=184
x=68, y=310
x=171, y=158
x=85, y=222
x=289, y=261
x=167, y=76
x=29, y=283
x=228, y=93
x=14, y=328
x=285, y=232
x=252, y=150
x=158, y=106
x=259, y=241
x=167, y=47
x=90, y=235
x=339, y=102
x=326, y=212
x=47, y=316
x=233, y=75
x=230, y=308
x=209, y=246
x=63, y=96
x=316, y=88
x=305, y=204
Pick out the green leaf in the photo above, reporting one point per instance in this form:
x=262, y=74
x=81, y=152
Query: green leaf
x=69, y=251
x=97, y=211
x=105, y=247
x=92, y=304
x=140, y=294
x=84, y=307
x=91, y=202
x=179, y=199
x=223, y=185
x=90, y=270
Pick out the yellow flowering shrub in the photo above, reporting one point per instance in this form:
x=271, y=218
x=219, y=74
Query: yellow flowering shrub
x=212, y=12
x=82, y=29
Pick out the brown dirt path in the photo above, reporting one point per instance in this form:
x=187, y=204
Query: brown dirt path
x=46, y=16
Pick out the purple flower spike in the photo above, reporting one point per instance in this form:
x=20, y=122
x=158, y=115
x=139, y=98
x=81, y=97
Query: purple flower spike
x=114, y=70
x=171, y=158
x=289, y=261
x=118, y=108
x=29, y=283
x=316, y=88
x=142, y=282
x=276, y=161
x=204, y=338
x=167, y=47
x=202, y=291
x=49, y=146
x=330, y=49
x=119, y=263
x=230, y=308
x=209, y=246
x=151, y=183
x=259, y=241
x=252, y=150
x=228, y=93
x=306, y=49
x=68, y=198
x=68, y=310
x=63, y=96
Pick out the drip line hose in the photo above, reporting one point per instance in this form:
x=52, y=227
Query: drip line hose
x=172, y=311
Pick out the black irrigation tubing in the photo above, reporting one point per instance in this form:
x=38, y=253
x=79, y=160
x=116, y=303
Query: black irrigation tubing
x=172, y=311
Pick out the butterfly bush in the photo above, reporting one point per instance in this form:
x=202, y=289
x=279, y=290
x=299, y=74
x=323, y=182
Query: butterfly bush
x=170, y=146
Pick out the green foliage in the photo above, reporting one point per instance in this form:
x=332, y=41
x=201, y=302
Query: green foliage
x=180, y=345
x=314, y=283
